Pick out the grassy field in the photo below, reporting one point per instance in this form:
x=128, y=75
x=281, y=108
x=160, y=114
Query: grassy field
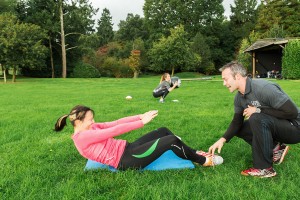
x=37, y=163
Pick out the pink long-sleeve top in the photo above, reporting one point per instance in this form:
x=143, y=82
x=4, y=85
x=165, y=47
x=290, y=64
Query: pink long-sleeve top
x=98, y=143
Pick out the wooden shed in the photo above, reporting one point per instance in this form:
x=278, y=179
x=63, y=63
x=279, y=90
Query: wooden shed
x=266, y=55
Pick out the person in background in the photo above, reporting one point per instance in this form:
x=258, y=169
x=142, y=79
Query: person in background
x=164, y=87
x=95, y=141
x=264, y=116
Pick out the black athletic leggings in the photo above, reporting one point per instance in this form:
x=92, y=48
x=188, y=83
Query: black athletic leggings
x=161, y=93
x=149, y=147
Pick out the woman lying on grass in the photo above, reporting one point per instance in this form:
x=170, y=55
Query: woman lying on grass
x=95, y=141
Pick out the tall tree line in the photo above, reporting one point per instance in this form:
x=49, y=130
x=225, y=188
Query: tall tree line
x=208, y=37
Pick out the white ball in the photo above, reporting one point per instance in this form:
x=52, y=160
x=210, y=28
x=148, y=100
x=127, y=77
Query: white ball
x=128, y=97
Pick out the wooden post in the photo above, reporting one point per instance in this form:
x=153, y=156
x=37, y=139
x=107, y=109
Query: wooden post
x=253, y=64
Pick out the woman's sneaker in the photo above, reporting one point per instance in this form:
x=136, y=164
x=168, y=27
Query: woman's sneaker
x=279, y=153
x=210, y=159
x=261, y=173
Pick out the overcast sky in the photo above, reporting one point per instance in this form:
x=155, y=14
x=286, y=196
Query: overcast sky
x=120, y=8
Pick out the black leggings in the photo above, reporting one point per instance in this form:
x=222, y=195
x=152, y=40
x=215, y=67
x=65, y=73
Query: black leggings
x=149, y=147
x=161, y=93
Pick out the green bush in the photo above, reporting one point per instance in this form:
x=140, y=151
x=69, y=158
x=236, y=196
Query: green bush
x=83, y=70
x=291, y=60
x=112, y=67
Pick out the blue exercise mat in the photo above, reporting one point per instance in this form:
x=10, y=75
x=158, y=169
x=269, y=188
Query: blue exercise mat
x=168, y=160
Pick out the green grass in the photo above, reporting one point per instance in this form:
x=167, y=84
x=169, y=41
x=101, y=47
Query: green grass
x=37, y=163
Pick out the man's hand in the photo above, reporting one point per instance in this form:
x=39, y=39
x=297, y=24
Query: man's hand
x=249, y=111
x=217, y=145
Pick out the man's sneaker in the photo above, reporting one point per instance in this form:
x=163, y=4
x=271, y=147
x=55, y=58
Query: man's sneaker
x=210, y=159
x=261, y=173
x=279, y=153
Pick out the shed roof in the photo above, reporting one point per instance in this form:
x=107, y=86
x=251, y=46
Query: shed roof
x=263, y=43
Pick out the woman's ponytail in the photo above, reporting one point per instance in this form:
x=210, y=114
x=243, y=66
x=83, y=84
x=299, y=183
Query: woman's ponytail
x=163, y=77
x=61, y=123
x=77, y=113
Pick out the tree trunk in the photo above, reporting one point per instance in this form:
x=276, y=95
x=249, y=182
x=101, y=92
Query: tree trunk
x=172, y=71
x=51, y=58
x=14, y=75
x=63, y=45
x=135, y=74
x=4, y=73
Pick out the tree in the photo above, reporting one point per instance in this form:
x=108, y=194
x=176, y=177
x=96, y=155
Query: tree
x=105, y=28
x=246, y=58
x=47, y=18
x=20, y=44
x=173, y=53
x=63, y=43
x=7, y=5
x=242, y=19
x=194, y=15
x=134, y=62
x=131, y=29
x=282, y=13
x=276, y=31
x=139, y=44
x=89, y=44
x=200, y=46
x=291, y=60
x=77, y=20
x=197, y=16
x=137, y=57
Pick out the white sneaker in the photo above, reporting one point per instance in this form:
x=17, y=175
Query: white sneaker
x=211, y=160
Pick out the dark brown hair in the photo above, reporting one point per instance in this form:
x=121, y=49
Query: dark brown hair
x=77, y=113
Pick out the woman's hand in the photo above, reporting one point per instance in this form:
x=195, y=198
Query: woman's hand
x=173, y=87
x=148, y=116
x=146, y=113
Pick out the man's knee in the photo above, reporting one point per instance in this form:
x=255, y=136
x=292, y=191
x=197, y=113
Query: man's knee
x=255, y=118
x=259, y=120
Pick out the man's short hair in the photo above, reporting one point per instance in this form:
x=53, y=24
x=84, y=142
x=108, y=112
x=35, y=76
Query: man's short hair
x=236, y=68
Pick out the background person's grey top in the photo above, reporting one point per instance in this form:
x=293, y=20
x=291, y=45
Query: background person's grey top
x=162, y=86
